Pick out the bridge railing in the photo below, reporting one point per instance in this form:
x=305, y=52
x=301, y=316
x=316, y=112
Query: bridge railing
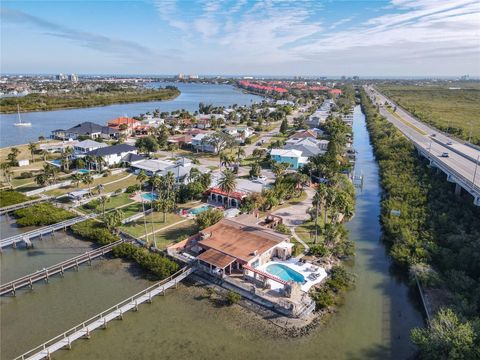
x=102, y=315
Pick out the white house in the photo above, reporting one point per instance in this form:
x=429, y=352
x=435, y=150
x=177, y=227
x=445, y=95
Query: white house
x=199, y=143
x=86, y=146
x=113, y=154
x=180, y=169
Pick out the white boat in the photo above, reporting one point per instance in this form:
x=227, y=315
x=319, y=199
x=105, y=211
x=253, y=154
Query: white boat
x=20, y=122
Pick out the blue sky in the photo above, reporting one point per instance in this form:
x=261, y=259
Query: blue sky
x=310, y=37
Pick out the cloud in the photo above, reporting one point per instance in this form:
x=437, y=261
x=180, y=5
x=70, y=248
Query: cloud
x=112, y=46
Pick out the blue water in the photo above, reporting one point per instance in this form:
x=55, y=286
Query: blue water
x=83, y=171
x=285, y=273
x=54, y=162
x=200, y=209
x=149, y=197
x=46, y=121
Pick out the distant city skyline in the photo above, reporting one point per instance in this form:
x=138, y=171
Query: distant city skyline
x=398, y=38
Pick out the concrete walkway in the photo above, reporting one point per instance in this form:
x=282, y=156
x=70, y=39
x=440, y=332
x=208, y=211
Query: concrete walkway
x=296, y=215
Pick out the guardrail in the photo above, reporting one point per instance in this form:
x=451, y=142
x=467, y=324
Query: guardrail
x=60, y=268
x=84, y=329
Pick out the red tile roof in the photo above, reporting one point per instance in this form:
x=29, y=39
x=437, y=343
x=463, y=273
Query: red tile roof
x=123, y=120
x=234, y=194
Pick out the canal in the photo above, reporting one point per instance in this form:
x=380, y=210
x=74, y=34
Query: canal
x=45, y=121
x=373, y=322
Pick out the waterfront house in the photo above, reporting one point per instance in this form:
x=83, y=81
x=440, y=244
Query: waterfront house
x=292, y=157
x=114, y=154
x=180, y=169
x=125, y=125
x=308, y=146
x=86, y=128
x=231, y=245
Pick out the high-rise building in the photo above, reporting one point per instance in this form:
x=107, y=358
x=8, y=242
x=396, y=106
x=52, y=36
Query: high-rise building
x=61, y=77
x=73, y=77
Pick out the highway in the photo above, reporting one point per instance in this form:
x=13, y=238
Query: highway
x=462, y=161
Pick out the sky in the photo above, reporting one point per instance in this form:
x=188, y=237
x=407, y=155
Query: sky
x=242, y=37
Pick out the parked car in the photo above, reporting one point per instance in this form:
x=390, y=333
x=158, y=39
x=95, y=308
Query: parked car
x=260, y=179
x=444, y=154
x=433, y=135
x=449, y=143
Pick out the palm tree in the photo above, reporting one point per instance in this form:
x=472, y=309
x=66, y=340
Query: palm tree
x=6, y=171
x=329, y=202
x=66, y=157
x=228, y=183
x=113, y=220
x=193, y=174
x=103, y=200
x=32, y=147
x=99, y=163
x=44, y=154
x=240, y=154
x=300, y=180
x=168, y=182
x=41, y=179
x=87, y=179
x=76, y=178
x=318, y=201
x=141, y=177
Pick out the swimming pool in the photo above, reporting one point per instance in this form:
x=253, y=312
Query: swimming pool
x=150, y=196
x=200, y=209
x=56, y=162
x=285, y=273
x=83, y=171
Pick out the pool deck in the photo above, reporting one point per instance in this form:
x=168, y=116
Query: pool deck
x=306, y=269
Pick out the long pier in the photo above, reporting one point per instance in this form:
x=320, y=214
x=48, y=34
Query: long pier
x=49, y=229
x=84, y=330
x=7, y=209
x=60, y=268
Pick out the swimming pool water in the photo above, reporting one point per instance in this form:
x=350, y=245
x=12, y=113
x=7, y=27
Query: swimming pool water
x=285, y=273
x=83, y=171
x=200, y=209
x=150, y=197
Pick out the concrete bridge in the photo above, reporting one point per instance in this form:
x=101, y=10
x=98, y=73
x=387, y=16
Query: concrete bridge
x=60, y=268
x=458, y=160
x=84, y=330
x=49, y=229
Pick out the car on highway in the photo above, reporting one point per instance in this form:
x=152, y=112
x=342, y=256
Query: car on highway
x=444, y=154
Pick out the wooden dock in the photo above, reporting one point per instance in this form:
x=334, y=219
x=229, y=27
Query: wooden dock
x=60, y=268
x=7, y=209
x=84, y=330
x=50, y=229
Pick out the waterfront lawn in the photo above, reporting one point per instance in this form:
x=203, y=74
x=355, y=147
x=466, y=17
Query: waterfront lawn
x=306, y=231
x=175, y=234
x=154, y=223
x=10, y=197
x=96, y=182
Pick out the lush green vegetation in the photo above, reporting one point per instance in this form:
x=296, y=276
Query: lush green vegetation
x=94, y=231
x=41, y=214
x=80, y=99
x=436, y=236
x=451, y=110
x=208, y=218
x=159, y=265
x=11, y=197
x=329, y=294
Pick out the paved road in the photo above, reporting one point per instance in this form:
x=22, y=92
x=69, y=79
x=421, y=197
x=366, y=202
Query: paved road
x=461, y=158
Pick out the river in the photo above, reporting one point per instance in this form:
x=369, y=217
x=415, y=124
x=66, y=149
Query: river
x=373, y=322
x=44, y=122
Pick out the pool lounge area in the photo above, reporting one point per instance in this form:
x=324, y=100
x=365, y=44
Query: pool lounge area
x=306, y=274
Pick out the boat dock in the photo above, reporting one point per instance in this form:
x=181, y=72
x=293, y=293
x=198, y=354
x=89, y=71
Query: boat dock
x=84, y=330
x=50, y=229
x=14, y=207
x=60, y=268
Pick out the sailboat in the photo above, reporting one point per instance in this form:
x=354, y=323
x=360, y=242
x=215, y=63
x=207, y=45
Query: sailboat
x=20, y=122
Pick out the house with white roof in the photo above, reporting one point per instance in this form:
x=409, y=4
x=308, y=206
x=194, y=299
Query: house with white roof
x=113, y=154
x=292, y=157
x=85, y=146
x=180, y=169
x=200, y=143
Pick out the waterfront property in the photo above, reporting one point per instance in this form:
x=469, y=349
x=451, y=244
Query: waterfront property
x=180, y=169
x=86, y=146
x=124, y=125
x=87, y=128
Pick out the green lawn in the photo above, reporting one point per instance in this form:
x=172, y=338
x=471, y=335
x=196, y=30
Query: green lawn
x=101, y=180
x=154, y=223
x=306, y=231
x=114, y=202
x=451, y=110
x=175, y=234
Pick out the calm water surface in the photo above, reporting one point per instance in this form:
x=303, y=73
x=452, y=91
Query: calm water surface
x=373, y=323
x=44, y=122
